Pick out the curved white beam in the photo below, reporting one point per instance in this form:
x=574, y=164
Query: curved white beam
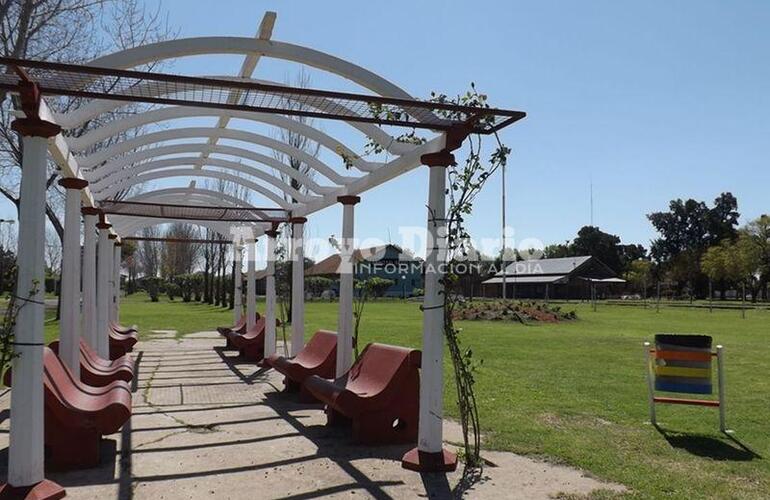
x=238, y=135
x=97, y=107
x=128, y=227
x=175, y=112
x=191, y=172
x=145, y=154
x=181, y=192
x=184, y=47
x=118, y=176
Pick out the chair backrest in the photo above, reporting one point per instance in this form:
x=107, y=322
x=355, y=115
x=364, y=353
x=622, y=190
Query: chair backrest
x=88, y=351
x=59, y=373
x=257, y=331
x=378, y=365
x=683, y=363
x=318, y=349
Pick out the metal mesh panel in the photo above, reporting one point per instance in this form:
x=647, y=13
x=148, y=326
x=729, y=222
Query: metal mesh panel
x=123, y=85
x=193, y=212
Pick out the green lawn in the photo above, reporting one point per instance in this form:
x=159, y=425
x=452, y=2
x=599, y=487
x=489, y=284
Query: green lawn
x=575, y=392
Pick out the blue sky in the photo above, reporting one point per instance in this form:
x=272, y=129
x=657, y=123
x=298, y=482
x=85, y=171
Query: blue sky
x=650, y=100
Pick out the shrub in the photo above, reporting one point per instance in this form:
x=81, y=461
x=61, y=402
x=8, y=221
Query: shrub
x=378, y=286
x=512, y=311
x=317, y=285
x=152, y=285
x=172, y=290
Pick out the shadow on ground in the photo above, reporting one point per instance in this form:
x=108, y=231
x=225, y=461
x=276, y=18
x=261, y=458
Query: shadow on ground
x=727, y=448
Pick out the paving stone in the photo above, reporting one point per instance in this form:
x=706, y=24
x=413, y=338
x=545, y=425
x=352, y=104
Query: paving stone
x=207, y=424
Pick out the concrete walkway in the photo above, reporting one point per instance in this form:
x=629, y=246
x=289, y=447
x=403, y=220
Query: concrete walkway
x=207, y=425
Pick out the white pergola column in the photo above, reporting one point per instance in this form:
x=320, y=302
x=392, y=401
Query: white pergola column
x=345, y=312
x=429, y=454
x=90, y=220
x=270, y=293
x=297, y=285
x=251, y=285
x=116, y=258
x=25, y=455
x=103, y=289
x=70, y=325
x=237, y=283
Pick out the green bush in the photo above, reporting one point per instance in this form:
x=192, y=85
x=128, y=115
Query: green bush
x=318, y=284
x=172, y=290
x=153, y=285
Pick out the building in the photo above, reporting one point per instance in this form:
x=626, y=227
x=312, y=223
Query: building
x=385, y=261
x=562, y=278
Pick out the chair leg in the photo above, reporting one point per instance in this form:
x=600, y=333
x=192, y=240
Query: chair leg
x=335, y=418
x=306, y=397
x=395, y=426
x=291, y=386
x=72, y=448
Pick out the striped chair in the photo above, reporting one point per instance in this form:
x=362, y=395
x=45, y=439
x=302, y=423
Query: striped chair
x=682, y=364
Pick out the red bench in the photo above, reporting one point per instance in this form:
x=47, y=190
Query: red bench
x=77, y=415
x=124, y=362
x=380, y=394
x=95, y=374
x=239, y=328
x=125, y=330
x=250, y=345
x=318, y=357
x=120, y=344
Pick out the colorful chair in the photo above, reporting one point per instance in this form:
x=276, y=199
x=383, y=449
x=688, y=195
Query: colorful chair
x=682, y=364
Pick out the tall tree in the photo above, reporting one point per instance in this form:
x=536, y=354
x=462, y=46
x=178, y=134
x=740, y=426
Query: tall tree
x=297, y=140
x=604, y=246
x=68, y=31
x=756, y=238
x=179, y=256
x=687, y=229
x=149, y=253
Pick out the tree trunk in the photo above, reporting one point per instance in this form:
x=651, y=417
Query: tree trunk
x=231, y=306
x=206, y=274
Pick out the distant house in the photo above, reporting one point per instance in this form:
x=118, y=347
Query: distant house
x=562, y=278
x=385, y=261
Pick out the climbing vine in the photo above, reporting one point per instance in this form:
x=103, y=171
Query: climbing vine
x=466, y=179
x=282, y=289
x=8, y=326
x=7, y=333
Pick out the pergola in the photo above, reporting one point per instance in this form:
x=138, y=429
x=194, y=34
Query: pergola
x=92, y=177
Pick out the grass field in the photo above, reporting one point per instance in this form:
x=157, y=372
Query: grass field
x=575, y=392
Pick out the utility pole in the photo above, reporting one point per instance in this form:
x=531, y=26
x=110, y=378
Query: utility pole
x=502, y=256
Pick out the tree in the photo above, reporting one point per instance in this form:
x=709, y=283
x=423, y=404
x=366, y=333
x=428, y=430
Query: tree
x=629, y=254
x=639, y=274
x=149, y=252
x=128, y=256
x=558, y=250
x=68, y=31
x=715, y=264
x=687, y=230
x=300, y=142
x=739, y=262
x=748, y=263
x=297, y=140
x=378, y=286
x=318, y=284
x=604, y=246
x=723, y=219
x=756, y=238
x=180, y=257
